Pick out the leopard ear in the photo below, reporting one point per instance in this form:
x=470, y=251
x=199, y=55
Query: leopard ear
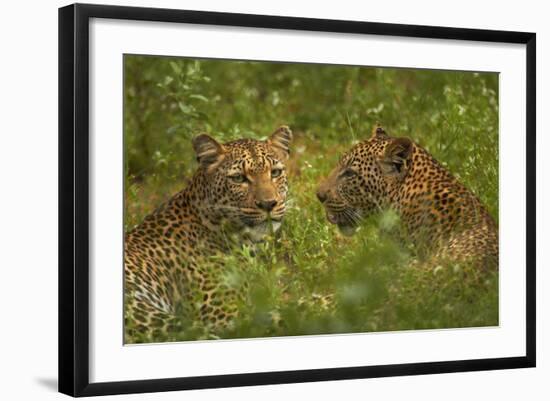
x=378, y=132
x=280, y=141
x=208, y=150
x=397, y=156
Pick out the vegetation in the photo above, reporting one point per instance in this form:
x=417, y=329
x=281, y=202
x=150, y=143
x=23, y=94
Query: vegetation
x=309, y=279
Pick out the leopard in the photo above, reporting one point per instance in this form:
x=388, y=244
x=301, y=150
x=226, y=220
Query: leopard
x=442, y=219
x=174, y=267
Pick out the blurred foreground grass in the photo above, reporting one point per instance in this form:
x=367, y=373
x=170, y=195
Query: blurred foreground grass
x=309, y=279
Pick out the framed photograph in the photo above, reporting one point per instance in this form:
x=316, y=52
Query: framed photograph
x=249, y=199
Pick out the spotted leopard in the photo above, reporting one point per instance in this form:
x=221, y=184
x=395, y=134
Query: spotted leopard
x=438, y=213
x=174, y=259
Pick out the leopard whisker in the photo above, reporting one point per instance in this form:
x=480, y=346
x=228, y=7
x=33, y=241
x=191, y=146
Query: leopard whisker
x=352, y=215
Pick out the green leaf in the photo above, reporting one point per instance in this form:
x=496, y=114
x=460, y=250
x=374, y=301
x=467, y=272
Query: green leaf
x=176, y=67
x=186, y=109
x=199, y=97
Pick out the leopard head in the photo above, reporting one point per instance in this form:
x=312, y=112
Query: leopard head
x=365, y=176
x=244, y=182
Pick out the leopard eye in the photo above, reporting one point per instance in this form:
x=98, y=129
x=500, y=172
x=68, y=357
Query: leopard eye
x=349, y=173
x=238, y=178
x=276, y=172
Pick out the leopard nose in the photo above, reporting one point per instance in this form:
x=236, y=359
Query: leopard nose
x=266, y=205
x=322, y=196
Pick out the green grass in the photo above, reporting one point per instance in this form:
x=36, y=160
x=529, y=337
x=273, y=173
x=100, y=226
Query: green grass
x=309, y=279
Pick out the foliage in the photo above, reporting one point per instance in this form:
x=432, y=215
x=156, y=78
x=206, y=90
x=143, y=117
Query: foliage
x=309, y=279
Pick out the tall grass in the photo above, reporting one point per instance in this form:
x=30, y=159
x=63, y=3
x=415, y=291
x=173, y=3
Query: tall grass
x=309, y=279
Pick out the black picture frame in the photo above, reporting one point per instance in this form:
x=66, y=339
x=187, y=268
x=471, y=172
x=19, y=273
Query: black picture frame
x=74, y=198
